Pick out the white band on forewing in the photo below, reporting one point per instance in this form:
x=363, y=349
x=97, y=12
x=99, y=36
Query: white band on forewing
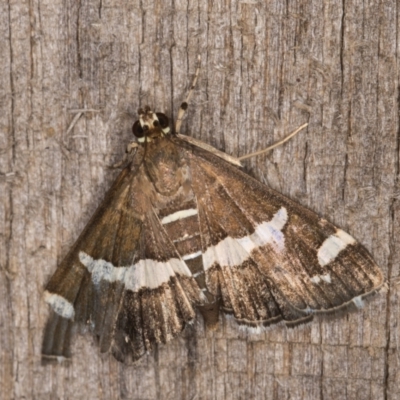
x=333, y=245
x=60, y=305
x=101, y=269
x=233, y=252
x=144, y=274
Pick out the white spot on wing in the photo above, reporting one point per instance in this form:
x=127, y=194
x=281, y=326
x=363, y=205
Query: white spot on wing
x=231, y=252
x=333, y=245
x=182, y=214
x=326, y=278
x=317, y=278
x=60, y=305
x=358, y=301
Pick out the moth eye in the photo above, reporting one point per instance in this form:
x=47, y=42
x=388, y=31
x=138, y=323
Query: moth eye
x=137, y=129
x=156, y=123
x=163, y=120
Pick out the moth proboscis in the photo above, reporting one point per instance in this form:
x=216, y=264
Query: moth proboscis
x=184, y=228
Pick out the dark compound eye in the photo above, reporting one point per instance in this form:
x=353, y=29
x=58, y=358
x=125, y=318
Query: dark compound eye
x=163, y=120
x=137, y=129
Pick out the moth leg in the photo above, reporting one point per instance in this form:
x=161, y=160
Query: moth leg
x=184, y=105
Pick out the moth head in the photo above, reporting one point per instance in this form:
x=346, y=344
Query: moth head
x=150, y=125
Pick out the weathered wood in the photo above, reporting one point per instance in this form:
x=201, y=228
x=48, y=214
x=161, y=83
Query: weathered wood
x=267, y=67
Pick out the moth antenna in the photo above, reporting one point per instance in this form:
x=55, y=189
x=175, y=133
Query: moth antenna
x=257, y=153
x=184, y=105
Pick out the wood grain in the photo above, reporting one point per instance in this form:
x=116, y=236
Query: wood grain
x=267, y=67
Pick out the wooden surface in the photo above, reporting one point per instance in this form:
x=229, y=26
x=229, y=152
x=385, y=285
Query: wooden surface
x=267, y=67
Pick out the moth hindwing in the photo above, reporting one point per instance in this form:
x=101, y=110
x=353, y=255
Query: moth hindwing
x=183, y=228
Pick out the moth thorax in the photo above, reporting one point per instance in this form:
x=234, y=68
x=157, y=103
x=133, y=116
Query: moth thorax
x=150, y=125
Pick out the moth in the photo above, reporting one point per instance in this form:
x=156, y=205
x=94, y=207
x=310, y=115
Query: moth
x=183, y=228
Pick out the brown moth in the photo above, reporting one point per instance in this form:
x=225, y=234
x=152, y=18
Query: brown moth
x=183, y=228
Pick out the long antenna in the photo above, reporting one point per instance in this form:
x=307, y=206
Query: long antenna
x=257, y=153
